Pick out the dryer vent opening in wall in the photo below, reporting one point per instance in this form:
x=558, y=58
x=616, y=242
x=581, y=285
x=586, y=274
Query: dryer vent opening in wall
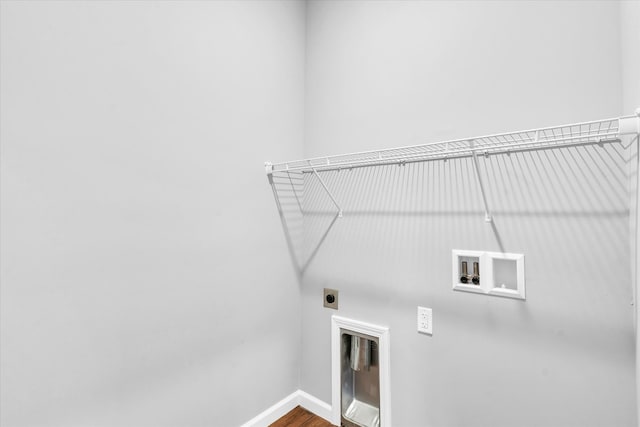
x=360, y=374
x=360, y=379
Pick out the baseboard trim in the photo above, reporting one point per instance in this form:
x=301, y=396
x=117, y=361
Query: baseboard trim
x=315, y=405
x=298, y=397
x=275, y=412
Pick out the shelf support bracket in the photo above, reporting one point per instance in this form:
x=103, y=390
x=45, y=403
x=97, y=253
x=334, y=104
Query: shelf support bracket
x=630, y=125
x=268, y=167
x=315, y=172
x=487, y=212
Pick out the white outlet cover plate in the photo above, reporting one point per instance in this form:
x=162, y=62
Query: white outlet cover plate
x=425, y=320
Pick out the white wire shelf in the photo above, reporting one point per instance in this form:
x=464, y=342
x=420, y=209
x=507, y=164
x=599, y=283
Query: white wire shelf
x=577, y=134
x=585, y=133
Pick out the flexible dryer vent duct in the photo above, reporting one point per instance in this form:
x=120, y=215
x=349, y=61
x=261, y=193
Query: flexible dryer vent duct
x=360, y=353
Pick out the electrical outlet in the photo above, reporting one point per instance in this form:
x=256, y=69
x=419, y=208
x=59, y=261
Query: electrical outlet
x=425, y=320
x=330, y=297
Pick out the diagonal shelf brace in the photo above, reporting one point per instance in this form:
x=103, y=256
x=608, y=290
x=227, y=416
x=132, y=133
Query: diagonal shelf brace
x=315, y=172
x=487, y=212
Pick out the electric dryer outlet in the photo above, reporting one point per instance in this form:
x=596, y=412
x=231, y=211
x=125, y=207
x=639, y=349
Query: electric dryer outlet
x=330, y=298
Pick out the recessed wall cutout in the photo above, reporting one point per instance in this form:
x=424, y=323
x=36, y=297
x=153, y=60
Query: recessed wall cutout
x=505, y=274
x=469, y=271
x=489, y=273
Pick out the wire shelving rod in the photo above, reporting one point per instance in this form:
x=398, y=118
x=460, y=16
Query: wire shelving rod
x=577, y=134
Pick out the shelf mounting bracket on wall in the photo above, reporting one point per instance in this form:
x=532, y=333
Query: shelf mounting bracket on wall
x=487, y=212
x=268, y=168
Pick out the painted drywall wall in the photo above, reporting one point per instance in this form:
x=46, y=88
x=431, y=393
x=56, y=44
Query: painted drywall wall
x=630, y=43
x=383, y=74
x=143, y=265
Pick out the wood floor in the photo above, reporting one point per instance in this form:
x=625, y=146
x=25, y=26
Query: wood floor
x=300, y=417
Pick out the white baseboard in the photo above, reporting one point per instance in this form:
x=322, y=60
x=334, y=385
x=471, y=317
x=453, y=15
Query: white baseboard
x=299, y=397
x=275, y=412
x=315, y=405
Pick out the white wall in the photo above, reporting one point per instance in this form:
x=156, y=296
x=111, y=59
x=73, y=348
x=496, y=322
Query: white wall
x=630, y=42
x=143, y=273
x=145, y=280
x=383, y=74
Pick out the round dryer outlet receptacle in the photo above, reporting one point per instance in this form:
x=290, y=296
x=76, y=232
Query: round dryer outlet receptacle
x=330, y=298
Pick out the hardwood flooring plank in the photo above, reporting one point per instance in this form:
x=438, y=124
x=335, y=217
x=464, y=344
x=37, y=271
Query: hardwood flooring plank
x=300, y=417
x=317, y=422
x=295, y=418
